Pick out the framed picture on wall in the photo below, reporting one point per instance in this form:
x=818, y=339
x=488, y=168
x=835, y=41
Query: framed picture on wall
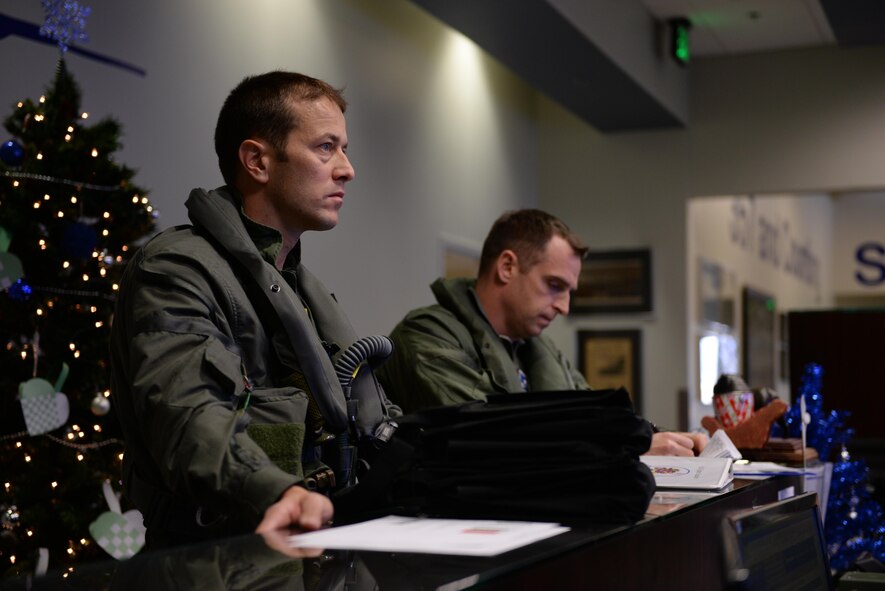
x=760, y=317
x=717, y=292
x=614, y=281
x=460, y=257
x=612, y=359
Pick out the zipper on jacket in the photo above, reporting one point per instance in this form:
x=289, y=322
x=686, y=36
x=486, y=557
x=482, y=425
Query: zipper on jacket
x=247, y=388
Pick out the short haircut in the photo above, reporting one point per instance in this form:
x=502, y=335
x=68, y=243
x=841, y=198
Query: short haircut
x=260, y=107
x=526, y=232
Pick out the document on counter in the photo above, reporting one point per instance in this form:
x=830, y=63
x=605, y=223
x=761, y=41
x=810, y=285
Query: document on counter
x=752, y=470
x=689, y=472
x=464, y=537
x=720, y=446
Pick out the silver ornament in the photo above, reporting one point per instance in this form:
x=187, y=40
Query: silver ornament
x=100, y=405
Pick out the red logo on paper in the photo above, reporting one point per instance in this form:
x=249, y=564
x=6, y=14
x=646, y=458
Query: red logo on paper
x=669, y=470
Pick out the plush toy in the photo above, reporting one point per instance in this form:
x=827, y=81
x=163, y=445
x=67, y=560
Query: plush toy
x=746, y=426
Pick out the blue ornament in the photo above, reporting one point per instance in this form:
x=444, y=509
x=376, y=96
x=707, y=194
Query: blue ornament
x=20, y=291
x=79, y=240
x=12, y=153
x=65, y=22
x=826, y=431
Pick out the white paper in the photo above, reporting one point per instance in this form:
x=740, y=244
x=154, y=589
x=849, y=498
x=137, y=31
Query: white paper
x=689, y=472
x=754, y=470
x=720, y=446
x=430, y=536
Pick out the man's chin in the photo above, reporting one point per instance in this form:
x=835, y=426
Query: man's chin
x=326, y=223
x=534, y=331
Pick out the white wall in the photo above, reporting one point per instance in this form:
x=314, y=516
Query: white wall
x=859, y=227
x=794, y=121
x=778, y=245
x=442, y=137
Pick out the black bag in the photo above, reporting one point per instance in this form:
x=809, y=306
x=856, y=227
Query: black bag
x=565, y=456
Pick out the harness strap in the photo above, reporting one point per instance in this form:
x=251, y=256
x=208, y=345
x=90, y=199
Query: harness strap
x=164, y=511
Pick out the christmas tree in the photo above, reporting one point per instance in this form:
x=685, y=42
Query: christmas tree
x=70, y=216
x=854, y=523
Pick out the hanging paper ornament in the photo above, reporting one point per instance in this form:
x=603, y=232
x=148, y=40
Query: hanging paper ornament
x=45, y=407
x=100, y=405
x=79, y=240
x=42, y=562
x=12, y=154
x=11, y=270
x=119, y=534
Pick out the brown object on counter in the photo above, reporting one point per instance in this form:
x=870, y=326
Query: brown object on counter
x=752, y=433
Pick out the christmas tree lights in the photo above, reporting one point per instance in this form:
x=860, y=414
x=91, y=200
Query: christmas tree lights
x=70, y=216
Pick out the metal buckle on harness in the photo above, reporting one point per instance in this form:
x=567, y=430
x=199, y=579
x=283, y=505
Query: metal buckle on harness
x=320, y=481
x=384, y=431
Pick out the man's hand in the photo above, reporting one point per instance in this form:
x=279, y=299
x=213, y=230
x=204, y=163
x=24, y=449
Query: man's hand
x=278, y=540
x=298, y=507
x=676, y=444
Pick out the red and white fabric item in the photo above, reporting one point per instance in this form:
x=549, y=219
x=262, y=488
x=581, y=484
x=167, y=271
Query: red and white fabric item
x=733, y=408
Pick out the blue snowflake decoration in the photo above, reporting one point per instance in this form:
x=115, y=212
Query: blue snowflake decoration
x=65, y=22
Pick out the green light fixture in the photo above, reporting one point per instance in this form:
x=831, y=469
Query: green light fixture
x=680, y=48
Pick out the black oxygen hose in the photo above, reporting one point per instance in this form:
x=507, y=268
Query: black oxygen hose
x=373, y=349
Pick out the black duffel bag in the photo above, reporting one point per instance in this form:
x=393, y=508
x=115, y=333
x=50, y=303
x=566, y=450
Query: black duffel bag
x=564, y=456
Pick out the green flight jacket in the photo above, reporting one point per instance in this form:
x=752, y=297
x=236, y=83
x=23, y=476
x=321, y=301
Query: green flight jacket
x=189, y=351
x=448, y=353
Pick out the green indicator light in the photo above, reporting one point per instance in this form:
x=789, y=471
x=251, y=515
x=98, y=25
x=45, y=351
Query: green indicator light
x=680, y=47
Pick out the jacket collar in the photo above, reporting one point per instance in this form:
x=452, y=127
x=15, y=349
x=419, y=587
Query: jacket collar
x=220, y=214
x=217, y=214
x=458, y=296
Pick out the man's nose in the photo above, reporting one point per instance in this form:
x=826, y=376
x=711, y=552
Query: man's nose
x=344, y=170
x=561, y=303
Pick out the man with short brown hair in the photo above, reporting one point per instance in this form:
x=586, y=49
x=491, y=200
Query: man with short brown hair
x=224, y=344
x=484, y=336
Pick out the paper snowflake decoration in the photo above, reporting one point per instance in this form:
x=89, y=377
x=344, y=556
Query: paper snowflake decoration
x=65, y=22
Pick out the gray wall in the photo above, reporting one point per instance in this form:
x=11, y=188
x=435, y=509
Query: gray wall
x=442, y=137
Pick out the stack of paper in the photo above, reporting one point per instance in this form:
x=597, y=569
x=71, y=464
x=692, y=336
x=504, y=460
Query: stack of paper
x=432, y=536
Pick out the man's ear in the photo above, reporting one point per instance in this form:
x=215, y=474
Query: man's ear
x=254, y=156
x=507, y=266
